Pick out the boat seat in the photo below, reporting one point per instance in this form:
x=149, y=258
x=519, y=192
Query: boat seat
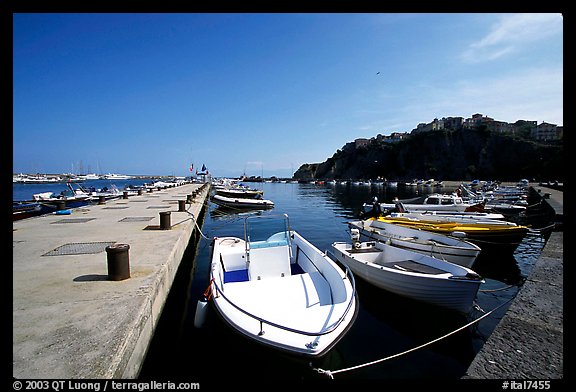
x=414, y=266
x=269, y=262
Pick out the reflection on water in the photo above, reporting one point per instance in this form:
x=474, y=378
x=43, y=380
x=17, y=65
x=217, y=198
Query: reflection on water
x=387, y=324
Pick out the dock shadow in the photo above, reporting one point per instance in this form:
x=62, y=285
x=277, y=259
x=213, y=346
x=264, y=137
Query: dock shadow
x=91, y=278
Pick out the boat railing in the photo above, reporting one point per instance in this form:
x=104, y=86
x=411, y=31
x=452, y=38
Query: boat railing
x=347, y=275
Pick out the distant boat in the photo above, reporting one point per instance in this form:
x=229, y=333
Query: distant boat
x=22, y=210
x=46, y=202
x=91, y=176
x=38, y=179
x=114, y=176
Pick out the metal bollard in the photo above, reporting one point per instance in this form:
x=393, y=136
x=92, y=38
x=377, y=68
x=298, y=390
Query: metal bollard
x=165, y=220
x=189, y=199
x=125, y=195
x=60, y=205
x=139, y=192
x=118, y=261
x=101, y=200
x=181, y=205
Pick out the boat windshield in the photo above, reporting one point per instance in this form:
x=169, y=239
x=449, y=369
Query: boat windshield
x=267, y=228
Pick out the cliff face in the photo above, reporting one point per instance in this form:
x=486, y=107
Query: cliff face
x=462, y=155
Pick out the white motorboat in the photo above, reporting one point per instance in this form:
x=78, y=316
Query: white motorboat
x=454, y=250
x=434, y=202
x=115, y=176
x=69, y=195
x=411, y=274
x=239, y=193
x=240, y=202
x=282, y=291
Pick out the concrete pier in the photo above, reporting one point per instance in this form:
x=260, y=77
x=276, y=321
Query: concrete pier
x=70, y=319
x=528, y=343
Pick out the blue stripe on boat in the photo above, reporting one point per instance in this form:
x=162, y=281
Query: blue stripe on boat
x=242, y=275
x=236, y=276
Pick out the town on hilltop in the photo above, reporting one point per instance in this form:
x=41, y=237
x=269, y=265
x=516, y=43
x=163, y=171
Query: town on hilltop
x=531, y=129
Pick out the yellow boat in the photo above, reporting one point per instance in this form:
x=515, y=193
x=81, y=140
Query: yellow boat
x=489, y=236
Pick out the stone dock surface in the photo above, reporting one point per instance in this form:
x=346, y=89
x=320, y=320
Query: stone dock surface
x=70, y=320
x=528, y=343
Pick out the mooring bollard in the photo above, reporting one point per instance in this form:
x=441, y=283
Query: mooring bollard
x=189, y=199
x=139, y=192
x=60, y=205
x=118, y=261
x=101, y=200
x=125, y=195
x=181, y=205
x=165, y=220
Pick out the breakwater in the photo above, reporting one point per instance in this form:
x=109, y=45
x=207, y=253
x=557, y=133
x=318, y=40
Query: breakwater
x=76, y=317
x=528, y=343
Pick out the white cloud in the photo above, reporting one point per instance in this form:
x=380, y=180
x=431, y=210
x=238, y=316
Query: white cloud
x=533, y=94
x=512, y=33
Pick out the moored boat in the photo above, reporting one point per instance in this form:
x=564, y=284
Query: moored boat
x=435, y=202
x=411, y=274
x=239, y=193
x=441, y=246
x=240, y=202
x=281, y=291
x=489, y=235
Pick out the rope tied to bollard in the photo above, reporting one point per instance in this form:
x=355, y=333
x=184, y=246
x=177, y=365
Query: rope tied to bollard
x=196, y=223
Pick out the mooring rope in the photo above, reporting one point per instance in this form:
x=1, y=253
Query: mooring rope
x=505, y=287
x=331, y=373
x=196, y=221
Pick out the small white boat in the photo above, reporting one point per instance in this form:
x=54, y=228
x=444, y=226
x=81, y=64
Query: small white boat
x=115, y=176
x=69, y=195
x=240, y=202
x=454, y=250
x=239, y=193
x=435, y=202
x=282, y=291
x=411, y=274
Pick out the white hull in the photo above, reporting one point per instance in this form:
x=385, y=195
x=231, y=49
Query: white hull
x=402, y=272
x=428, y=207
x=239, y=193
x=443, y=247
x=304, y=310
x=238, y=202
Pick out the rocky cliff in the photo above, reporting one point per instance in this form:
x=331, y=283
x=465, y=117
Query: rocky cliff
x=457, y=155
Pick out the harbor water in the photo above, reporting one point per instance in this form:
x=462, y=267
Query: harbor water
x=386, y=325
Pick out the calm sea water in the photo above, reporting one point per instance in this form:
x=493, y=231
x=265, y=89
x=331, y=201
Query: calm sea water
x=386, y=325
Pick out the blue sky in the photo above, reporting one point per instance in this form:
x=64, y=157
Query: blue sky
x=259, y=93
